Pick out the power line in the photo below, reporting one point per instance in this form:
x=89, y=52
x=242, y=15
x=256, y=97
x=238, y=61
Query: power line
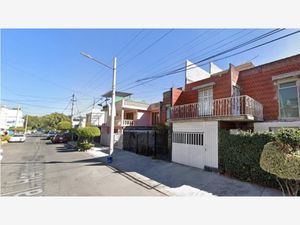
x=163, y=59
x=197, y=63
x=147, y=48
x=129, y=43
x=180, y=69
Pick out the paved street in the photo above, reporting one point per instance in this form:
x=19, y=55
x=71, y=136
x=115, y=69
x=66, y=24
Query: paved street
x=38, y=168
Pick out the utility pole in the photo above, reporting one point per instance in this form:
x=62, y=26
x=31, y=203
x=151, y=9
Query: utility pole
x=113, y=109
x=17, y=115
x=72, y=109
x=26, y=124
x=113, y=95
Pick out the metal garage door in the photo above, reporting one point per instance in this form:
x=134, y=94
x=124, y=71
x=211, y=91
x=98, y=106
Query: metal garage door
x=195, y=144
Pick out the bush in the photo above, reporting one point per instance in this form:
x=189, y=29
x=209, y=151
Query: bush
x=282, y=158
x=87, y=133
x=84, y=145
x=64, y=125
x=277, y=162
x=5, y=138
x=239, y=156
x=288, y=138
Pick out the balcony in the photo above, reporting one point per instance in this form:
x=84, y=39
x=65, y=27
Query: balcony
x=124, y=123
x=232, y=108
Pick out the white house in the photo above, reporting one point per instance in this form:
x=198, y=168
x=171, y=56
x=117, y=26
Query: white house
x=95, y=118
x=11, y=117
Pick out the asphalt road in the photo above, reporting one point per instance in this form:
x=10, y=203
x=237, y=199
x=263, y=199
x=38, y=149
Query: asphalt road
x=39, y=168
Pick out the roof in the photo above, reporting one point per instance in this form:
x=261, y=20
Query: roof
x=241, y=67
x=118, y=93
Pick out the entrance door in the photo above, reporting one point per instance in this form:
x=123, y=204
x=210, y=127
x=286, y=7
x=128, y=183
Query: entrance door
x=236, y=106
x=205, y=100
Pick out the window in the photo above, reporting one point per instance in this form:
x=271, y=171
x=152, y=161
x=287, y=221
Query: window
x=189, y=138
x=288, y=100
x=129, y=116
x=168, y=112
x=205, y=100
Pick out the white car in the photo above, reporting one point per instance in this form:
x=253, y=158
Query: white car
x=17, y=138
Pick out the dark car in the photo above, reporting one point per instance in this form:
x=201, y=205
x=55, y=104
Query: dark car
x=61, y=138
x=50, y=135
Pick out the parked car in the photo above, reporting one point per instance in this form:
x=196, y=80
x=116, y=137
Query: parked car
x=61, y=138
x=17, y=138
x=51, y=134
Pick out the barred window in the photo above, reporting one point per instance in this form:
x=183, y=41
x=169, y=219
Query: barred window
x=190, y=138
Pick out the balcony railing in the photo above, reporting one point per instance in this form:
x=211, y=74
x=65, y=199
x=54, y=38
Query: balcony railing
x=124, y=123
x=128, y=123
x=224, y=107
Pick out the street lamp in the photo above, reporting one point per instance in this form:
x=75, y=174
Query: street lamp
x=113, y=109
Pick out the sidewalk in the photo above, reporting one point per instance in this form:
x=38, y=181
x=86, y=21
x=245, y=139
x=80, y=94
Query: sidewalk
x=179, y=180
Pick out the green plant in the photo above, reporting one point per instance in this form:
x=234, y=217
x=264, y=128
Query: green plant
x=86, y=133
x=288, y=139
x=85, y=145
x=239, y=156
x=282, y=159
x=64, y=125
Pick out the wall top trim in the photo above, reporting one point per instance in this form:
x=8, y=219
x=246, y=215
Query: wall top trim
x=204, y=86
x=286, y=75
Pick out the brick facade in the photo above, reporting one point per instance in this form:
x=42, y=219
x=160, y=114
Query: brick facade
x=257, y=83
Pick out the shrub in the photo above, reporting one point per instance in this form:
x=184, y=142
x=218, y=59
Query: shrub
x=288, y=139
x=5, y=138
x=285, y=164
x=239, y=156
x=84, y=145
x=64, y=125
x=88, y=132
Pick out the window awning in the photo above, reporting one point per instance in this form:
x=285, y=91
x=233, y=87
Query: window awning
x=118, y=93
x=286, y=75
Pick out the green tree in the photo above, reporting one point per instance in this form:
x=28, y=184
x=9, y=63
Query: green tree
x=282, y=158
x=64, y=125
x=85, y=136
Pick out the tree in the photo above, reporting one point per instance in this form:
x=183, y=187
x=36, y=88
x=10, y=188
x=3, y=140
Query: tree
x=64, y=125
x=48, y=122
x=282, y=158
x=85, y=136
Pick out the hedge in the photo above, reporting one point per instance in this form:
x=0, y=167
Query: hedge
x=239, y=156
x=88, y=132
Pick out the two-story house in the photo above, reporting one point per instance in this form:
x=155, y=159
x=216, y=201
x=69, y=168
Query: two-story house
x=260, y=98
x=129, y=112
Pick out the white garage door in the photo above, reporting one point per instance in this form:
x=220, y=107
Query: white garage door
x=195, y=144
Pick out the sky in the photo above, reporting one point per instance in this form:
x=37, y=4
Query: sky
x=42, y=68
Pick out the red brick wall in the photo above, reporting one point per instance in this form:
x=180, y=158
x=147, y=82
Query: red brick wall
x=175, y=95
x=257, y=83
x=222, y=88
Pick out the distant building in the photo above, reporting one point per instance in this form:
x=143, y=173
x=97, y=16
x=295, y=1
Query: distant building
x=79, y=122
x=95, y=118
x=11, y=117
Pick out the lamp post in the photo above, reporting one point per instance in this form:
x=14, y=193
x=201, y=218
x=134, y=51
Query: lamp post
x=113, y=107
